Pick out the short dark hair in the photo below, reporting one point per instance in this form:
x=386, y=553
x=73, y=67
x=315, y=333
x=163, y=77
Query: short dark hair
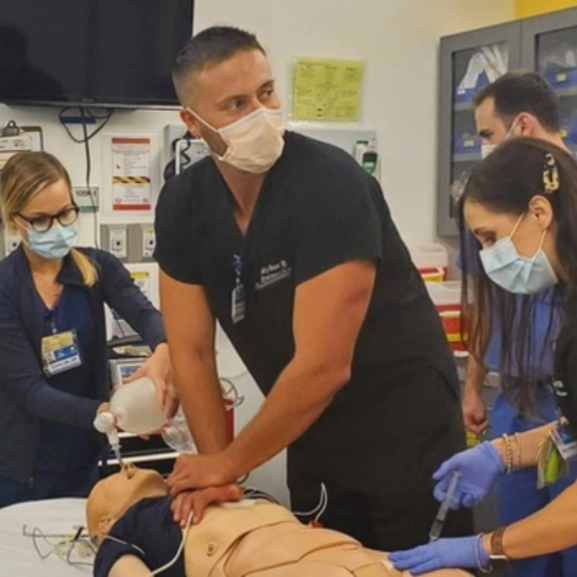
x=210, y=46
x=517, y=92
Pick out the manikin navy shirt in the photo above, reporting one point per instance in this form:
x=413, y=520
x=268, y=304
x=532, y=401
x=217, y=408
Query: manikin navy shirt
x=147, y=531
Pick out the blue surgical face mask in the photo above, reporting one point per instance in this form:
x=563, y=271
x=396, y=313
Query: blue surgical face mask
x=515, y=273
x=55, y=243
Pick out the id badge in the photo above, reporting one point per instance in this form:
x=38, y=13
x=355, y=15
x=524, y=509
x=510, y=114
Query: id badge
x=565, y=442
x=60, y=353
x=550, y=465
x=237, y=304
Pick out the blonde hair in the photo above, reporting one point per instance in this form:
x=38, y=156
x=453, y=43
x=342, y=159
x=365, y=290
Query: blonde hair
x=22, y=178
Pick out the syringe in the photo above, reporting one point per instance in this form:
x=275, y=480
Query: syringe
x=439, y=521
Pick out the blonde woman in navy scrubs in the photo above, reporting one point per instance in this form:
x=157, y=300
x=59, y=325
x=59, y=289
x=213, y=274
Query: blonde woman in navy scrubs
x=53, y=372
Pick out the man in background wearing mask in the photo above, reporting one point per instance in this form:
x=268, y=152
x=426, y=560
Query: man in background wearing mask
x=520, y=104
x=289, y=244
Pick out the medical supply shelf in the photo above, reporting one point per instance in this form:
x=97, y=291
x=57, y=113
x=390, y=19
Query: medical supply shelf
x=471, y=60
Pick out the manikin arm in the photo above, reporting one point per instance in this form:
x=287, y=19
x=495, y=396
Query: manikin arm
x=129, y=566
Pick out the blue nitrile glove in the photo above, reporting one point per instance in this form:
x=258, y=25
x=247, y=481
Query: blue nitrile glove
x=444, y=553
x=479, y=467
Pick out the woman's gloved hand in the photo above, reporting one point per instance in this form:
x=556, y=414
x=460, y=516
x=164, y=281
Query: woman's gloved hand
x=479, y=468
x=462, y=552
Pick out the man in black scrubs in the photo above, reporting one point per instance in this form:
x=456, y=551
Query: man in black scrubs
x=290, y=245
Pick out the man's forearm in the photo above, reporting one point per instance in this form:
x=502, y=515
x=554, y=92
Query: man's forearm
x=296, y=401
x=200, y=395
x=129, y=566
x=475, y=375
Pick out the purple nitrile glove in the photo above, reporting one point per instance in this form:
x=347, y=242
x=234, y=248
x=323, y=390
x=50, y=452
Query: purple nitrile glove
x=479, y=468
x=442, y=554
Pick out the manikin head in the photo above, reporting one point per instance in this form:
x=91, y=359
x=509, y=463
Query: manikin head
x=114, y=495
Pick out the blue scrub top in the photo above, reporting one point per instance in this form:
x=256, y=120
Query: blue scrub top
x=65, y=448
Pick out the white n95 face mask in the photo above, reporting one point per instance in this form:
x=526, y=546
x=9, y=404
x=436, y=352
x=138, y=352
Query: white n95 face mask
x=487, y=149
x=515, y=273
x=254, y=142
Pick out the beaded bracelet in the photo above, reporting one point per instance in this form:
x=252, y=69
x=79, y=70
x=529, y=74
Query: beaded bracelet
x=508, y=453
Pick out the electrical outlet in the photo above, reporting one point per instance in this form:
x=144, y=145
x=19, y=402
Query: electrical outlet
x=114, y=239
x=87, y=199
x=148, y=242
x=141, y=242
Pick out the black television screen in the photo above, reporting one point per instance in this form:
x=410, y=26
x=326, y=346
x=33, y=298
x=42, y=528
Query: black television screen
x=91, y=52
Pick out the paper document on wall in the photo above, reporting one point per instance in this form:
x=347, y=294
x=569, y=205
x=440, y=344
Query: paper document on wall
x=131, y=173
x=327, y=89
x=28, y=138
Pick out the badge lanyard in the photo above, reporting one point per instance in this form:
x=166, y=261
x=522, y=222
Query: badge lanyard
x=238, y=302
x=60, y=352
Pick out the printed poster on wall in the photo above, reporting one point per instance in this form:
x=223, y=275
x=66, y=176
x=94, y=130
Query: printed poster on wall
x=327, y=89
x=131, y=173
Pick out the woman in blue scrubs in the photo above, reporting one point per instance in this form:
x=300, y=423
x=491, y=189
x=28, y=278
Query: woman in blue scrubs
x=521, y=205
x=53, y=368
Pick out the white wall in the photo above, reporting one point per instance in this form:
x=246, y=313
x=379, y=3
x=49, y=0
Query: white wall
x=399, y=41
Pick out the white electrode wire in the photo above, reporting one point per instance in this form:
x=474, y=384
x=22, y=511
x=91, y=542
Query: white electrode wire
x=254, y=493
x=116, y=540
x=319, y=509
x=65, y=546
x=179, y=551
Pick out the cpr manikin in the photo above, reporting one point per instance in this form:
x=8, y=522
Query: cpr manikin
x=248, y=537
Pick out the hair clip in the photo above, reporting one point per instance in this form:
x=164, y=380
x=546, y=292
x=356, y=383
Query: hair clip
x=550, y=174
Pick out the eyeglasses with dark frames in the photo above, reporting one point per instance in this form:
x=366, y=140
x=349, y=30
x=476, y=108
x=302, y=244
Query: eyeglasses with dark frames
x=44, y=222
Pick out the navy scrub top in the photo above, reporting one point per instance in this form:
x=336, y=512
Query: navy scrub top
x=63, y=447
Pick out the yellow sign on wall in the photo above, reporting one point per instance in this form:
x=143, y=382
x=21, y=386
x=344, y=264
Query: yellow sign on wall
x=526, y=8
x=327, y=90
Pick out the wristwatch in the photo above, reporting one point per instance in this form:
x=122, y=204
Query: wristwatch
x=496, y=549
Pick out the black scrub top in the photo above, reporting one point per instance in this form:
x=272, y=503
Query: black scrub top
x=317, y=209
x=565, y=365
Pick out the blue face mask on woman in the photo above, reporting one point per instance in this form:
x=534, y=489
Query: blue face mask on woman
x=515, y=273
x=54, y=243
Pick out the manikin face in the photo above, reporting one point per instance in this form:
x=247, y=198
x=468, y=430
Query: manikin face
x=114, y=495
